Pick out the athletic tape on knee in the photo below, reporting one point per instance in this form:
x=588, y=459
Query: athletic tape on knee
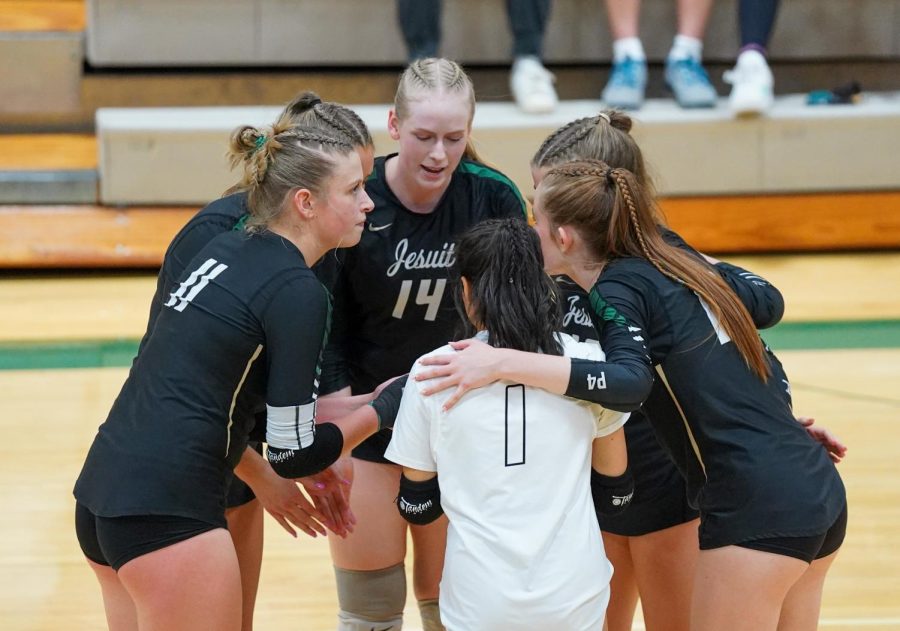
x=367, y=597
x=430, y=612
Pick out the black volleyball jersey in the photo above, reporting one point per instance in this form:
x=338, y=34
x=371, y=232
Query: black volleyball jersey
x=174, y=430
x=392, y=301
x=653, y=470
x=392, y=296
x=214, y=219
x=752, y=470
x=223, y=215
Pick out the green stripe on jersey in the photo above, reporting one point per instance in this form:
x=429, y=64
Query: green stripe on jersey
x=479, y=170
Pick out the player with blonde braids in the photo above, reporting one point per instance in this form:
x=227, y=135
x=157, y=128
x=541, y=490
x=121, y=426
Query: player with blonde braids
x=773, y=509
x=392, y=304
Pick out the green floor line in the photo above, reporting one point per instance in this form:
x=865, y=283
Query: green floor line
x=119, y=353
x=50, y=355
x=834, y=335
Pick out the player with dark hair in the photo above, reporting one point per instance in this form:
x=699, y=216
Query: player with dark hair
x=511, y=465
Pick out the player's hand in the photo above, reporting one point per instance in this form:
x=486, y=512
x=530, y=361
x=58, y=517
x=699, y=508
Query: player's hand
x=284, y=501
x=475, y=364
x=330, y=492
x=832, y=444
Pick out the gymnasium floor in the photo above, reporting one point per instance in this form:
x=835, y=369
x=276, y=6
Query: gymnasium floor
x=65, y=343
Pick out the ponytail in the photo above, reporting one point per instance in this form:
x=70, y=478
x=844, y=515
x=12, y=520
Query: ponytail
x=613, y=214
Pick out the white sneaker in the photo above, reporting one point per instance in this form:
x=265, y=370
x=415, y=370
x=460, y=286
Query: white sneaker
x=751, y=80
x=532, y=86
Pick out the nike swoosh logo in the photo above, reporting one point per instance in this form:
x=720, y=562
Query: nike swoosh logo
x=373, y=228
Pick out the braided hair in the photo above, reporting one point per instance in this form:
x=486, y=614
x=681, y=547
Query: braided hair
x=510, y=295
x=436, y=74
x=308, y=109
x=606, y=137
x=612, y=213
x=279, y=159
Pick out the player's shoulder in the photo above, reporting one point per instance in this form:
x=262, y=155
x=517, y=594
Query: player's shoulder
x=486, y=176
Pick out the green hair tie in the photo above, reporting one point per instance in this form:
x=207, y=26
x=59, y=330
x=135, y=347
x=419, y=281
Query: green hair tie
x=260, y=141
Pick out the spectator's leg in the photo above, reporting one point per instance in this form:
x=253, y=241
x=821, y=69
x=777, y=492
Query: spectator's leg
x=756, y=19
x=628, y=80
x=531, y=83
x=420, y=22
x=527, y=22
x=685, y=74
x=752, y=91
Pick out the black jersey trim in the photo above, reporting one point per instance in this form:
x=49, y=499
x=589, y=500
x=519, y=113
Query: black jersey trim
x=687, y=427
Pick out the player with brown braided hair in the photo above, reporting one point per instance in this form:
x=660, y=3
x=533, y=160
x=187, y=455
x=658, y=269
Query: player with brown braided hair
x=150, y=513
x=652, y=545
x=772, y=506
x=255, y=487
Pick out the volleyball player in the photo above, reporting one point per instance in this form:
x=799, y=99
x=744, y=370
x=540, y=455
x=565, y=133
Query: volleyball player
x=511, y=465
x=280, y=497
x=652, y=545
x=772, y=506
x=392, y=305
x=150, y=513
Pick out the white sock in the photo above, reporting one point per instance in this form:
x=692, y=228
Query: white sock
x=628, y=47
x=684, y=47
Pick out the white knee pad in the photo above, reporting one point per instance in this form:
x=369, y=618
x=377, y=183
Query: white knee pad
x=371, y=599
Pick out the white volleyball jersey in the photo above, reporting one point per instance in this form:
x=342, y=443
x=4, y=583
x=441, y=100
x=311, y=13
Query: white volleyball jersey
x=523, y=549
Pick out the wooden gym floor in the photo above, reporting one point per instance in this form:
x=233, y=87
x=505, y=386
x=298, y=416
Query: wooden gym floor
x=65, y=343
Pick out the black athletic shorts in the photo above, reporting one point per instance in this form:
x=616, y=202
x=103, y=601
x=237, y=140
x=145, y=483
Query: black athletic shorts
x=238, y=492
x=660, y=494
x=114, y=541
x=372, y=449
x=805, y=548
x=643, y=516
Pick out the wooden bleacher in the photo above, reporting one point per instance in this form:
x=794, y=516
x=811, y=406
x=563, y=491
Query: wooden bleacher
x=800, y=179
x=41, y=44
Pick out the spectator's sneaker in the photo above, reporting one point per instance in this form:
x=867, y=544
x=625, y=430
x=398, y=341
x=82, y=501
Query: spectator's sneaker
x=751, y=85
x=689, y=83
x=627, y=84
x=532, y=86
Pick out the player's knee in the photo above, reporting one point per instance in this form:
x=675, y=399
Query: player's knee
x=371, y=598
x=430, y=612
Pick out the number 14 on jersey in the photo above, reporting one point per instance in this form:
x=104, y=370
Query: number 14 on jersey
x=425, y=296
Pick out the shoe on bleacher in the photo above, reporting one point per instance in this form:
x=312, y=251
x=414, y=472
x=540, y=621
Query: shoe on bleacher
x=751, y=82
x=532, y=86
x=627, y=85
x=689, y=83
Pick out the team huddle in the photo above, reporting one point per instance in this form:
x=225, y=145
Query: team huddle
x=565, y=409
